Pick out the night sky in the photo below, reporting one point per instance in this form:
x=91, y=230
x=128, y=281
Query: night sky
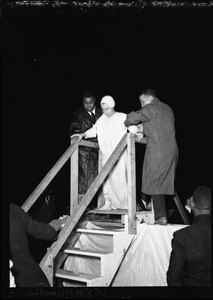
x=51, y=55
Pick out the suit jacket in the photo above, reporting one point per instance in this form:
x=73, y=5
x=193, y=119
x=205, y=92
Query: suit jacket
x=190, y=259
x=26, y=270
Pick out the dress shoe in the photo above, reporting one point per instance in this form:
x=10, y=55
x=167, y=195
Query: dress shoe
x=161, y=221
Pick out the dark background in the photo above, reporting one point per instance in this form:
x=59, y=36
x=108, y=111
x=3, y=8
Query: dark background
x=51, y=55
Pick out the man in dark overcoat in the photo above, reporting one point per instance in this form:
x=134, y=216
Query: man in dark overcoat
x=82, y=119
x=161, y=153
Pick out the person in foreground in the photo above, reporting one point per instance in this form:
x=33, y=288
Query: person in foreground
x=161, y=155
x=109, y=129
x=25, y=269
x=190, y=259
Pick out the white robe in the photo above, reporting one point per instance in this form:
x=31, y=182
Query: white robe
x=109, y=131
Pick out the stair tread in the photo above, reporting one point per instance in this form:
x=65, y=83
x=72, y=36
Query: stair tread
x=78, y=276
x=117, y=212
x=86, y=252
x=108, y=225
x=99, y=231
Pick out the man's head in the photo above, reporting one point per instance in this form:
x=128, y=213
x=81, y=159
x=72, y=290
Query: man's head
x=201, y=200
x=146, y=96
x=88, y=100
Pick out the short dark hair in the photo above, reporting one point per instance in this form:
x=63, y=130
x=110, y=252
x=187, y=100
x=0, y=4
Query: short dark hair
x=88, y=94
x=148, y=92
x=202, y=197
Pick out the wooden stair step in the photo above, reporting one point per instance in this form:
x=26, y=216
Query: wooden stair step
x=116, y=212
x=108, y=224
x=96, y=231
x=86, y=252
x=77, y=276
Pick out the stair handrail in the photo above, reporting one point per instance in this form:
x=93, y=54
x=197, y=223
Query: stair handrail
x=50, y=175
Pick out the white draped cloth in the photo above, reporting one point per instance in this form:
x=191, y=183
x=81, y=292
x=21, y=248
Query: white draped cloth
x=145, y=263
x=12, y=279
x=109, y=131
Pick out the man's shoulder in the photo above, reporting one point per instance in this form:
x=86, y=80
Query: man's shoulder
x=14, y=207
x=183, y=231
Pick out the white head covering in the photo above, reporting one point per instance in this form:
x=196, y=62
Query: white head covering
x=108, y=100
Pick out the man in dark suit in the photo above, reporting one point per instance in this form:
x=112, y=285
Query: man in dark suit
x=25, y=269
x=82, y=119
x=190, y=259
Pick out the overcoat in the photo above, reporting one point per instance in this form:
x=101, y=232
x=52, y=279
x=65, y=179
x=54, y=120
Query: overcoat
x=26, y=270
x=82, y=120
x=161, y=153
x=190, y=259
x=88, y=157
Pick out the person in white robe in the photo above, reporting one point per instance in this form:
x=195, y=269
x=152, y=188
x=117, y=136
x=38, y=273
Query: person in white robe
x=110, y=129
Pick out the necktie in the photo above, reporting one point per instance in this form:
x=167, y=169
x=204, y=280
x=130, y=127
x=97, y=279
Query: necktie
x=93, y=117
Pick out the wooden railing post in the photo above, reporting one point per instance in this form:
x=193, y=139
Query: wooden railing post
x=131, y=175
x=74, y=180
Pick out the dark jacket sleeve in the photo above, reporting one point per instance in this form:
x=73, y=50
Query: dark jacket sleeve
x=81, y=121
x=75, y=124
x=36, y=229
x=136, y=117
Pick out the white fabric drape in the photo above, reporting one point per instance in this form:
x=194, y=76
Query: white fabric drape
x=109, y=131
x=12, y=279
x=145, y=263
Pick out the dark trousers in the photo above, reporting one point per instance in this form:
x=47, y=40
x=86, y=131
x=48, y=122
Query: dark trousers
x=159, y=205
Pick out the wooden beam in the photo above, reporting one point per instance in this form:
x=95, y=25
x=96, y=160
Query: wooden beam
x=74, y=170
x=50, y=175
x=74, y=218
x=88, y=143
x=181, y=209
x=131, y=175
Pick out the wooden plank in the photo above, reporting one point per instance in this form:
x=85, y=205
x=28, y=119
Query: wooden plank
x=75, y=275
x=131, y=175
x=74, y=169
x=90, y=144
x=98, y=231
x=108, y=212
x=73, y=220
x=116, y=212
x=107, y=224
x=99, y=161
x=50, y=175
x=77, y=251
x=181, y=209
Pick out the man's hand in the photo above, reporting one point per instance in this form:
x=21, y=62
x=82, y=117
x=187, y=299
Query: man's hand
x=139, y=136
x=80, y=135
x=59, y=224
x=140, y=127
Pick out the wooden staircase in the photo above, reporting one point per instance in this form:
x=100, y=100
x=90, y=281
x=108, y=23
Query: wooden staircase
x=120, y=235
x=108, y=261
